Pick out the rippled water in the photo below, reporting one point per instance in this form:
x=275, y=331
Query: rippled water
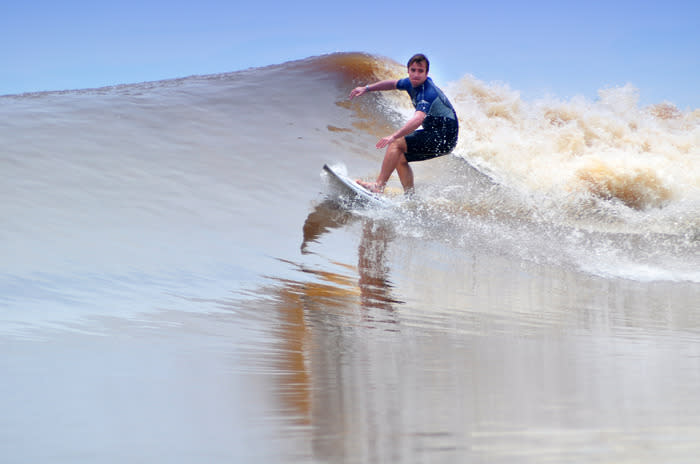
x=177, y=284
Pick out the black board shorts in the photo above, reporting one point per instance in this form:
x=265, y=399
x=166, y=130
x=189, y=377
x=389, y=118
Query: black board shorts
x=435, y=140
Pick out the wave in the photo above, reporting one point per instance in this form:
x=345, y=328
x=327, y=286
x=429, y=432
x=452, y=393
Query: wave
x=607, y=184
x=609, y=149
x=558, y=181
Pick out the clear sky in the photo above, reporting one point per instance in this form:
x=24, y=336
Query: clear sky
x=540, y=47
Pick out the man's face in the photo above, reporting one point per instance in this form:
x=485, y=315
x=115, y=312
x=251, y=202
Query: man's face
x=417, y=73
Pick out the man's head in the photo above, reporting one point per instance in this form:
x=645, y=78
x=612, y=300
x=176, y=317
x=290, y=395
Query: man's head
x=418, y=67
x=419, y=58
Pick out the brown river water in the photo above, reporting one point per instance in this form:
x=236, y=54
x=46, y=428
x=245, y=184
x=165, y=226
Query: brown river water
x=177, y=283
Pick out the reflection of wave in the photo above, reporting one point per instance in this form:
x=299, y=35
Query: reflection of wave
x=468, y=311
x=325, y=216
x=373, y=285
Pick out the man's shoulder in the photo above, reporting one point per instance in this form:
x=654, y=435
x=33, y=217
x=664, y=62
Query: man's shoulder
x=430, y=85
x=404, y=84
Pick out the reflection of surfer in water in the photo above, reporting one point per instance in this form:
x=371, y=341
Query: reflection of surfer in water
x=433, y=111
x=374, y=286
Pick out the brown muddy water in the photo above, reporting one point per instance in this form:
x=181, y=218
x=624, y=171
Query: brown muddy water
x=177, y=284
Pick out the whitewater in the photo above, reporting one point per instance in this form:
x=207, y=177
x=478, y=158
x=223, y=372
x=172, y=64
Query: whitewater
x=178, y=282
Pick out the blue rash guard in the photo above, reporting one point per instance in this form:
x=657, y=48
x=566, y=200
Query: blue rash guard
x=440, y=127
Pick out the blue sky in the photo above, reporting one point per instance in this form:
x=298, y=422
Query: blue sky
x=541, y=47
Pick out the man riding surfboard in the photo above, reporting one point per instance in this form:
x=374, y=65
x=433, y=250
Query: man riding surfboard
x=434, y=112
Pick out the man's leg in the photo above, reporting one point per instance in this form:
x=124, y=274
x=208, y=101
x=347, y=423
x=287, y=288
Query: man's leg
x=405, y=174
x=393, y=159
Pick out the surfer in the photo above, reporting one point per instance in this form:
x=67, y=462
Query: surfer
x=433, y=111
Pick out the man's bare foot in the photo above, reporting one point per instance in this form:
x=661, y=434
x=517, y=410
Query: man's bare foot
x=371, y=186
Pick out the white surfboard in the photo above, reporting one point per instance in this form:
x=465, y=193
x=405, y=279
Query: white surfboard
x=353, y=192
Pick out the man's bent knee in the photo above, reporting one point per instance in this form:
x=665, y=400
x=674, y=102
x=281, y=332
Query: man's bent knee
x=399, y=145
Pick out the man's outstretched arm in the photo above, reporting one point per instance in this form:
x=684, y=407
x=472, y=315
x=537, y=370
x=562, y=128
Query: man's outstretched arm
x=389, y=84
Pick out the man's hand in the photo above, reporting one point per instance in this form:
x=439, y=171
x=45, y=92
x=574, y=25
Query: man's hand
x=411, y=125
x=385, y=141
x=357, y=91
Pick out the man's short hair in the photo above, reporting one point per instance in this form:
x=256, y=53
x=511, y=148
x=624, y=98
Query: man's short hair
x=419, y=58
